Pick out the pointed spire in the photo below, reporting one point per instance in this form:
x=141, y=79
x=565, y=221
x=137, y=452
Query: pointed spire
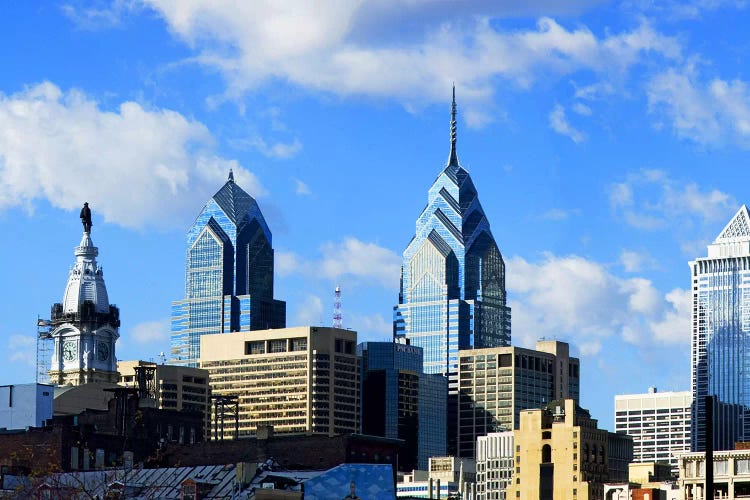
x=231, y=175
x=453, y=159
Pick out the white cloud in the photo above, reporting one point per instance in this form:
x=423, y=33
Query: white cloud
x=710, y=113
x=135, y=166
x=364, y=261
x=636, y=261
x=412, y=51
x=677, y=10
x=558, y=214
x=581, y=300
x=582, y=109
x=150, y=331
x=650, y=199
x=301, y=188
x=369, y=326
x=310, y=311
x=22, y=348
x=674, y=327
x=559, y=123
x=278, y=150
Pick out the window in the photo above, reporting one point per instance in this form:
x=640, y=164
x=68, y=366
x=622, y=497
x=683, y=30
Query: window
x=256, y=347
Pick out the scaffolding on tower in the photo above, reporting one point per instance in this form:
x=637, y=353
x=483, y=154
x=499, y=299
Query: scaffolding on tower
x=44, y=347
x=337, y=322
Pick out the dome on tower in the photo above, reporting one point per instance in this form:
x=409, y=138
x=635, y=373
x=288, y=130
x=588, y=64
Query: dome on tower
x=86, y=280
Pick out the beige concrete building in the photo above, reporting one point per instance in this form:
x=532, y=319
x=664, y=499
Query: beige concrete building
x=173, y=387
x=297, y=380
x=561, y=453
x=495, y=384
x=731, y=475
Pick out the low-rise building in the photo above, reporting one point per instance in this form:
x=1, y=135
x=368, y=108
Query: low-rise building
x=25, y=405
x=731, y=475
x=447, y=477
x=494, y=465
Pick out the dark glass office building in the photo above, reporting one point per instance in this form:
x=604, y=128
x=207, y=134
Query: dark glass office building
x=400, y=401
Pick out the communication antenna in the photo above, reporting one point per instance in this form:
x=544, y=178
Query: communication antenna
x=337, y=322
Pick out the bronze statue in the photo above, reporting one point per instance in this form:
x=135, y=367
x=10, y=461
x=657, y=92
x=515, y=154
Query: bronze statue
x=86, y=217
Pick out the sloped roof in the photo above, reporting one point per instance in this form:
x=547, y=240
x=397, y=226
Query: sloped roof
x=236, y=203
x=738, y=229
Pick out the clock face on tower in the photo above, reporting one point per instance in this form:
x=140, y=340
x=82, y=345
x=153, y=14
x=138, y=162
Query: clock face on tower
x=102, y=351
x=69, y=350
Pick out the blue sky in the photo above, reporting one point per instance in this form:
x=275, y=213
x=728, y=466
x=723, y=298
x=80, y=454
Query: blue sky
x=608, y=142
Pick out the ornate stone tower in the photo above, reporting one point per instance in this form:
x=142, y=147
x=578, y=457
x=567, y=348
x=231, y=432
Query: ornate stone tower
x=85, y=326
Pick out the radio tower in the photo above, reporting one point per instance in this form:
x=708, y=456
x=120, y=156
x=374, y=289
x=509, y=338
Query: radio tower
x=337, y=323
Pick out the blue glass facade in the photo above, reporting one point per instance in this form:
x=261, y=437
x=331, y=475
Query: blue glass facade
x=401, y=401
x=720, y=346
x=453, y=276
x=228, y=275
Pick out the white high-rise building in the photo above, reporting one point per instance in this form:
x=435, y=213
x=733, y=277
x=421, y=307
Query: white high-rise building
x=659, y=423
x=494, y=465
x=720, y=336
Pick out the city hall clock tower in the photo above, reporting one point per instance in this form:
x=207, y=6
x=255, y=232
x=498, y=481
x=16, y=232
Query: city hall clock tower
x=85, y=327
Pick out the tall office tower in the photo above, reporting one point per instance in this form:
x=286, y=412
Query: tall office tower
x=302, y=380
x=452, y=292
x=400, y=401
x=228, y=275
x=659, y=423
x=495, y=465
x=453, y=276
x=720, y=345
x=85, y=326
x=495, y=384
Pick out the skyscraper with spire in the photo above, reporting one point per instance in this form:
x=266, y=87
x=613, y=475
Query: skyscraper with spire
x=228, y=274
x=453, y=276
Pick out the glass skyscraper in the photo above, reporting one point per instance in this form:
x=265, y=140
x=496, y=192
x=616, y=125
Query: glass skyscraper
x=453, y=276
x=400, y=401
x=720, y=337
x=228, y=274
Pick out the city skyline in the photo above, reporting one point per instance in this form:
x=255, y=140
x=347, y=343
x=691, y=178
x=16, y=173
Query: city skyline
x=606, y=142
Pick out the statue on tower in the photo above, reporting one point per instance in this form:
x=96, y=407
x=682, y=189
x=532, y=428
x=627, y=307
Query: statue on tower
x=86, y=217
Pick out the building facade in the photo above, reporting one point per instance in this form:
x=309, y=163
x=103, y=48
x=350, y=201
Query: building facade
x=25, y=405
x=659, y=423
x=228, y=275
x=495, y=465
x=302, y=380
x=453, y=276
x=172, y=387
x=720, y=337
x=85, y=326
x=445, y=477
x=731, y=475
x=561, y=453
x=495, y=384
x=400, y=401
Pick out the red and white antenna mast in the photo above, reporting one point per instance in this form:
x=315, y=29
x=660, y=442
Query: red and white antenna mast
x=337, y=323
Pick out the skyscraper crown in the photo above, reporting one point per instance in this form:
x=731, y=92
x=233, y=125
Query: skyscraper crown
x=738, y=229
